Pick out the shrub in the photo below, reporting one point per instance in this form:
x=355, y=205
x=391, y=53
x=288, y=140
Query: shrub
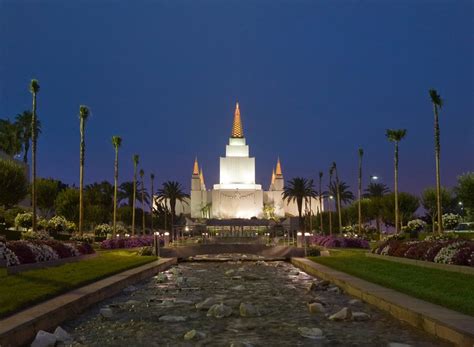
x=88, y=238
x=103, y=230
x=39, y=235
x=451, y=220
x=415, y=225
x=129, y=242
x=57, y=224
x=13, y=182
x=24, y=220
x=336, y=242
x=146, y=251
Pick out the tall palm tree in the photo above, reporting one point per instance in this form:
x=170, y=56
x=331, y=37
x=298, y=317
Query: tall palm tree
x=142, y=173
x=437, y=104
x=359, y=195
x=329, y=197
x=321, y=200
x=23, y=122
x=338, y=196
x=345, y=195
x=300, y=190
x=152, y=199
x=116, y=142
x=395, y=136
x=171, y=192
x=34, y=89
x=83, y=115
x=136, y=159
x=375, y=192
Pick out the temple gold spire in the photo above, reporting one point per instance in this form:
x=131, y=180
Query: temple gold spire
x=273, y=176
x=237, y=130
x=196, y=167
x=278, y=168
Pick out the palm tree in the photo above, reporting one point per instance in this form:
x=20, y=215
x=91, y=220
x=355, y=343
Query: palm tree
x=338, y=196
x=142, y=173
x=359, y=195
x=437, y=104
x=10, y=137
x=152, y=199
x=395, y=136
x=375, y=192
x=116, y=142
x=172, y=192
x=299, y=189
x=24, y=121
x=330, y=197
x=34, y=89
x=321, y=200
x=345, y=195
x=136, y=159
x=83, y=115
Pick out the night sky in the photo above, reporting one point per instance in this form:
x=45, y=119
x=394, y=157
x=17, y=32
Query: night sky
x=315, y=80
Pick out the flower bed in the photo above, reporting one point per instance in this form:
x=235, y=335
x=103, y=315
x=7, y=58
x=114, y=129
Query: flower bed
x=129, y=242
x=338, y=242
x=455, y=252
x=30, y=252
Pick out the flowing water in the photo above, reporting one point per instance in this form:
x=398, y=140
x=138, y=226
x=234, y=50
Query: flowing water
x=161, y=310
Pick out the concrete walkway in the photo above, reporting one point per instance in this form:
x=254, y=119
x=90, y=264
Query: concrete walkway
x=21, y=328
x=444, y=323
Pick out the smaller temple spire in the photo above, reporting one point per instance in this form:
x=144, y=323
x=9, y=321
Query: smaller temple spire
x=278, y=168
x=237, y=130
x=273, y=176
x=196, y=167
x=201, y=177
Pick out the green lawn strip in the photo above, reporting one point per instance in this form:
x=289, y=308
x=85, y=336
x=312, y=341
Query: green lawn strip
x=29, y=287
x=449, y=289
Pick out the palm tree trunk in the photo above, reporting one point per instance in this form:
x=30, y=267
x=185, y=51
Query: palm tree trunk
x=151, y=206
x=359, y=207
x=26, y=147
x=134, y=197
x=338, y=193
x=81, y=177
x=143, y=207
x=438, y=176
x=115, y=190
x=320, y=206
x=33, y=161
x=396, y=188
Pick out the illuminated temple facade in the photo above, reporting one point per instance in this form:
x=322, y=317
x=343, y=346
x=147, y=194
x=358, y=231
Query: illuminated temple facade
x=237, y=195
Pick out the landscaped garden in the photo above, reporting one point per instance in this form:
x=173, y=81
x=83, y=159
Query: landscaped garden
x=29, y=287
x=450, y=289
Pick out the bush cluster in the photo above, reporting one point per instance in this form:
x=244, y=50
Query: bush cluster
x=457, y=252
x=129, y=242
x=332, y=241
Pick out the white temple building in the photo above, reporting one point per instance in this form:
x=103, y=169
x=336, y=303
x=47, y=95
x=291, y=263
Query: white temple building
x=237, y=195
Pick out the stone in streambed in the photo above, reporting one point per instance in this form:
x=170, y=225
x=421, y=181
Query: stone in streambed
x=316, y=307
x=106, y=312
x=219, y=311
x=207, y=304
x=44, y=339
x=343, y=314
x=248, y=310
x=311, y=333
x=63, y=336
x=172, y=319
x=360, y=316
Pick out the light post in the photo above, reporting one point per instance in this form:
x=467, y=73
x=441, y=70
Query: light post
x=330, y=215
x=166, y=238
x=305, y=243
x=374, y=177
x=156, y=240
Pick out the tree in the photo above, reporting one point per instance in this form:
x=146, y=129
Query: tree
x=83, y=115
x=24, y=121
x=396, y=136
x=345, y=195
x=359, y=195
x=142, y=173
x=437, y=105
x=13, y=183
x=321, y=201
x=338, y=195
x=171, y=192
x=300, y=190
x=10, y=137
x=408, y=204
x=429, y=201
x=330, y=198
x=136, y=159
x=116, y=142
x=152, y=199
x=67, y=204
x=465, y=193
x=34, y=89
x=375, y=192
x=47, y=190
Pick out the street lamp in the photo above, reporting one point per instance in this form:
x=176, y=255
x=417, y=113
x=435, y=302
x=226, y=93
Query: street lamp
x=374, y=177
x=156, y=239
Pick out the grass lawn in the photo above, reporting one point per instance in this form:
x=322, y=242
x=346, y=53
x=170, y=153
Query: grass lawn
x=450, y=289
x=23, y=289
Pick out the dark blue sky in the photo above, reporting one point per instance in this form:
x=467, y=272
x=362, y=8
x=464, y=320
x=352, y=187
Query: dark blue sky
x=315, y=80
